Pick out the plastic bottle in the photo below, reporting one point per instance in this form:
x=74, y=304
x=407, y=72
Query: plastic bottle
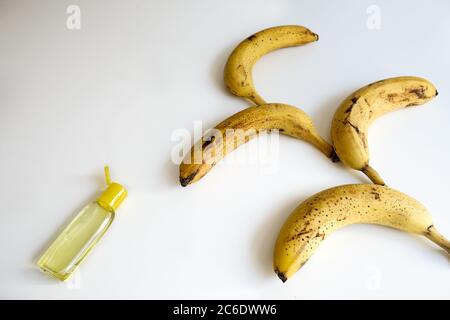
x=74, y=243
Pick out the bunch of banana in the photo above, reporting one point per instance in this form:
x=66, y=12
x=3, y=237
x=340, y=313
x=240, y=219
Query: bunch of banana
x=243, y=126
x=238, y=70
x=354, y=116
x=288, y=120
x=314, y=219
x=317, y=217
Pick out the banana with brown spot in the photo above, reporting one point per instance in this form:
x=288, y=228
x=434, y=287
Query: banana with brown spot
x=354, y=116
x=238, y=69
x=317, y=217
x=243, y=126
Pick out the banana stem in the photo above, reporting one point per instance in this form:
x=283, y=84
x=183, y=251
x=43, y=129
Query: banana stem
x=373, y=175
x=437, y=238
x=326, y=148
x=257, y=99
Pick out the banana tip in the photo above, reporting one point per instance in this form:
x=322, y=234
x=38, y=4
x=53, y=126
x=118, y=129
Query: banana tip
x=187, y=179
x=281, y=275
x=184, y=182
x=334, y=157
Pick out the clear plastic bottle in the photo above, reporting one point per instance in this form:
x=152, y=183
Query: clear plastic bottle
x=74, y=243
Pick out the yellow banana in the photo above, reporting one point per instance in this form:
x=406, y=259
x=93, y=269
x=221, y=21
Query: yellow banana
x=353, y=117
x=317, y=217
x=243, y=126
x=238, y=70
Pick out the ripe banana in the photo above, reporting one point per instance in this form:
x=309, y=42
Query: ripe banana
x=353, y=117
x=238, y=70
x=243, y=126
x=317, y=217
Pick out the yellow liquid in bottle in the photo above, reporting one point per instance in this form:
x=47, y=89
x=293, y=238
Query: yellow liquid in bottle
x=71, y=247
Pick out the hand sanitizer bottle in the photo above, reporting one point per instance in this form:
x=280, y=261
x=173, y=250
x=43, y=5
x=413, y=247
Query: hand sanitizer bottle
x=72, y=246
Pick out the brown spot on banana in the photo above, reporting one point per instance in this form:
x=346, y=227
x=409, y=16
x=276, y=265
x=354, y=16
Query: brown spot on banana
x=376, y=195
x=354, y=126
x=419, y=92
x=320, y=235
x=208, y=142
x=299, y=235
x=353, y=100
x=392, y=96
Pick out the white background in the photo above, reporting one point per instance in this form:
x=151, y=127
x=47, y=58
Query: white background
x=113, y=93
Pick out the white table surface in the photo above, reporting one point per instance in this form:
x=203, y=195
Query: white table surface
x=114, y=91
